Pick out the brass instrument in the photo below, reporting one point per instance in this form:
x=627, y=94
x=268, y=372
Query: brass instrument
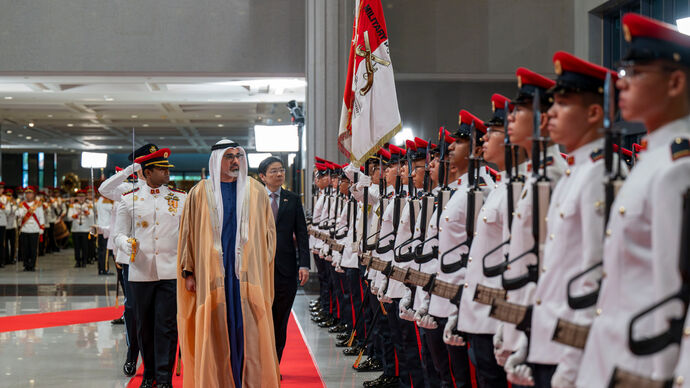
x=70, y=183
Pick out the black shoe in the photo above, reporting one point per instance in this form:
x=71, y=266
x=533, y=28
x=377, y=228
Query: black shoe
x=315, y=308
x=339, y=328
x=369, y=365
x=148, y=383
x=321, y=318
x=119, y=321
x=376, y=382
x=343, y=336
x=313, y=302
x=342, y=344
x=328, y=323
x=389, y=382
x=352, y=351
x=130, y=368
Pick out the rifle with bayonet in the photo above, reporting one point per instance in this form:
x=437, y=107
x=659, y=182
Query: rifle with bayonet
x=396, y=218
x=412, y=206
x=382, y=203
x=474, y=199
x=514, y=188
x=426, y=211
x=614, y=181
x=541, y=191
x=442, y=198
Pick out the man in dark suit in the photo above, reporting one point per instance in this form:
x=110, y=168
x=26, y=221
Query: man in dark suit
x=292, y=245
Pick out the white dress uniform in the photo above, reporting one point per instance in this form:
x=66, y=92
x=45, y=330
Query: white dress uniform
x=397, y=289
x=81, y=215
x=113, y=188
x=48, y=211
x=451, y=233
x=350, y=255
x=640, y=259
x=156, y=214
x=375, y=215
x=386, y=230
x=574, y=241
x=5, y=210
x=315, y=243
x=522, y=240
x=32, y=224
x=104, y=208
x=490, y=231
x=341, y=226
x=421, y=297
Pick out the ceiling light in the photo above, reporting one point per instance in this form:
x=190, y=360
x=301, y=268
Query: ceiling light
x=120, y=147
x=8, y=97
x=145, y=125
x=35, y=139
x=20, y=135
x=683, y=25
x=28, y=138
x=50, y=116
x=70, y=124
x=134, y=116
x=276, y=138
x=9, y=131
x=31, y=124
x=161, y=138
x=221, y=125
x=280, y=120
x=109, y=99
x=217, y=116
x=255, y=158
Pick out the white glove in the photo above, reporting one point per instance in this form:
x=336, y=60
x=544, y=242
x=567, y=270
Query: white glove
x=404, y=312
x=425, y=320
x=500, y=353
x=339, y=269
x=364, y=181
x=448, y=336
x=132, y=168
x=350, y=172
x=559, y=380
x=124, y=244
x=381, y=295
x=517, y=371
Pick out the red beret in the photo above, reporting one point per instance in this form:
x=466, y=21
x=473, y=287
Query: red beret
x=385, y=154
x=651, y=39
x=321, y=167
x=396, y=150
x=467, y=118
x=319, y=160
x=118, y=169
x=32, y=189
x=410, y=145
x=575, y=74
x=499, y=101
x=528, y=77
x=443, y=134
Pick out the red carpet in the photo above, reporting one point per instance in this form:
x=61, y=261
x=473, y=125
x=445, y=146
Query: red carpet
x=60, y=318
x=298, y=367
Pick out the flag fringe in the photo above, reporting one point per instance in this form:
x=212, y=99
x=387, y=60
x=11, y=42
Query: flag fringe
x=383, y=140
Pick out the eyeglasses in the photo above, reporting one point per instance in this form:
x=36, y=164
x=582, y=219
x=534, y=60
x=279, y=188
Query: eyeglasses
x=631, y=71
x=276, y=171
x=233, y=156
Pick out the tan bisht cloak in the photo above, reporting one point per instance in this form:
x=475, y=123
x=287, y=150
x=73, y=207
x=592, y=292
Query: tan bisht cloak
x=201, y=316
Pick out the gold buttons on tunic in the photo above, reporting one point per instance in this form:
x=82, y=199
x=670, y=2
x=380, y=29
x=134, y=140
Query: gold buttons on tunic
x=567, y=172
x=552, y=236
x=621, y=210
x=484, y=220
x=598, y=311
x=608, y=232
x=538, y=302
x=680, y=380
x=467, y=285
x=686, y=331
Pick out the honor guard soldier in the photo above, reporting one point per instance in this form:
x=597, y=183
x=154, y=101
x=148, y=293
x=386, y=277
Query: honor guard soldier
x=103, y=208
x=575, y=225
x=147, y=231
x=31, y=227
x=527, y=130
x=323, y=181
x=81, y=214
x=642, y=245
x=11, y=229
x=491, y=230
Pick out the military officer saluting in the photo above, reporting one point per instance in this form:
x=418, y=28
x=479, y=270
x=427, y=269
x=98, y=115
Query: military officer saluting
x=147, y=231
x=642, y=246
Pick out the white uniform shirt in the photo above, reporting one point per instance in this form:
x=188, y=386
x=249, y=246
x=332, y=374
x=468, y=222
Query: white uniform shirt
x=421, y=297
x=376, y=214
x=10, y=212
x=683, y=366
x=491, y=230
x=81, y=215
x=522, y=240
x=386, y=237
x=452, y=231
x=317, y=217
x=640, y=261
x=104, y=208
x=397, y=289
x=341, y=226
x=31, y=225
x=157, y=222
x=5, y=210
x=574, y=241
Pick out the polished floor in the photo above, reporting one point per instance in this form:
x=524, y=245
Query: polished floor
x=91, y=355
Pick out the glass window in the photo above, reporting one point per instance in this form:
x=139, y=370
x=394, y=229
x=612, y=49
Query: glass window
x=25, y=169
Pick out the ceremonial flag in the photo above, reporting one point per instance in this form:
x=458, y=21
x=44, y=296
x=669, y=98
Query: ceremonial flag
x=369, y=116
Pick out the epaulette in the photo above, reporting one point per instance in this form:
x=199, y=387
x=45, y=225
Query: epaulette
x=597, y=154
x=131, y=191
x=680, y=148
x=177, y=190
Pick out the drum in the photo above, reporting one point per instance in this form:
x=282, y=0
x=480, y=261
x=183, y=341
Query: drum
x=60, y=230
